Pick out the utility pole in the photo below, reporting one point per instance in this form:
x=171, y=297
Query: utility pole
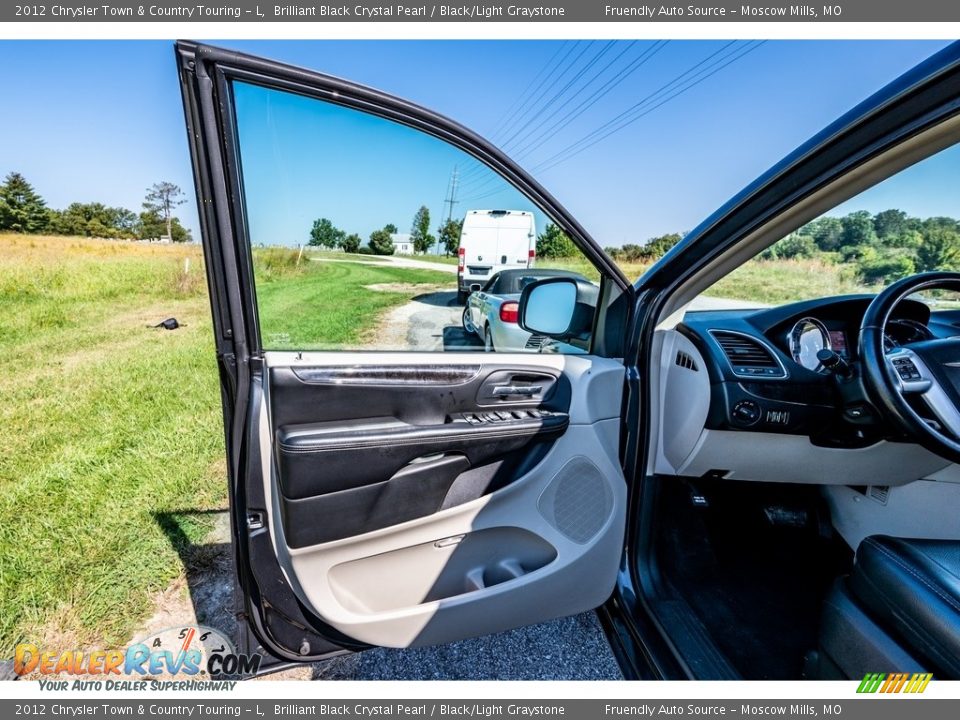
x=451, y=198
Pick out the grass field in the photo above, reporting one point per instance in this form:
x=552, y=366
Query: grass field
x=321, y=305
x=112, y=430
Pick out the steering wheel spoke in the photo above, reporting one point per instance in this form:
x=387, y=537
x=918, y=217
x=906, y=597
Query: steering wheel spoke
x=896, y=379
x=913, y=377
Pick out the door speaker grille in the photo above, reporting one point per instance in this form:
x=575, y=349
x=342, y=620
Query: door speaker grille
x=578, y=500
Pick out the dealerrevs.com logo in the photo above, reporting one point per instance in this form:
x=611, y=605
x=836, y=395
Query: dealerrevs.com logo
x=182, y=652
x=895, y=683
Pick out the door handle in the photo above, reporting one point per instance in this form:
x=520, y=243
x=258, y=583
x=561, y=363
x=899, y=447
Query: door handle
x=527, y=390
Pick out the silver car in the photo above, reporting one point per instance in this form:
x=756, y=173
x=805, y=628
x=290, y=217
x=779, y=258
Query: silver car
x=491, y=313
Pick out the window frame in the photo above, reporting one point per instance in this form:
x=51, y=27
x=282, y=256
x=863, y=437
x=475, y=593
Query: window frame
x=324, y=88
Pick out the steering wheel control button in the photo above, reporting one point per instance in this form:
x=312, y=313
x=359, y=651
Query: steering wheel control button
x=906, y=369
x=746, y=412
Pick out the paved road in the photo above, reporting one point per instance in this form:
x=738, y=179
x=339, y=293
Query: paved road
x=399, y=260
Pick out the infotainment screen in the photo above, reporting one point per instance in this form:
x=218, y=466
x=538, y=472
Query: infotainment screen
x=838, y=342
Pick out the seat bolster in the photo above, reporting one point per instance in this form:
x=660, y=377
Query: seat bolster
x=913, y=588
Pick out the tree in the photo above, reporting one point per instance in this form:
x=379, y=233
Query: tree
x=858, y=229
x=325, y=234
x=351, y=243
x=794, y=245
x=97, y=220
x=391, y=229
x=21, y=208
x=940, y=249
x=420, y=231
x=150, y=226
x=449, y=236
x=381, y=242
x=890, y=224
x=658, y=246
x=554, y=243
x=885, y=266
x=827, y=233
x=162, y=198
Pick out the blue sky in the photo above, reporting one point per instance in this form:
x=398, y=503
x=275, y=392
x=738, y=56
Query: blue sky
x=101, y=121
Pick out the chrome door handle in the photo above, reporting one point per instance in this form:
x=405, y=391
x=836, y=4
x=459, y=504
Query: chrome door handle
x=528, y=390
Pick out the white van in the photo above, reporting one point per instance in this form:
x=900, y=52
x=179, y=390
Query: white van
x=490, y=241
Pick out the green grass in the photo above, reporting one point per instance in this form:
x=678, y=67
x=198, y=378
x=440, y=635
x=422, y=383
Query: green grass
x=326, y=305
x=112, y=428
x=774, y=282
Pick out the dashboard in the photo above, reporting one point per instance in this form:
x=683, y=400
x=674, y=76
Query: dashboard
x=767, y=372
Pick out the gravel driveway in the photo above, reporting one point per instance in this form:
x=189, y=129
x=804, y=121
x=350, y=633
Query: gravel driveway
x=572, y=648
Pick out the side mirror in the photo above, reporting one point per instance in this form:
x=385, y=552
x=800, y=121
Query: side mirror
x=548, y=307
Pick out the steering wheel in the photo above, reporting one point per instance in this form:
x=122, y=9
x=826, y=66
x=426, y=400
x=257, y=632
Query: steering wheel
x=928, y=370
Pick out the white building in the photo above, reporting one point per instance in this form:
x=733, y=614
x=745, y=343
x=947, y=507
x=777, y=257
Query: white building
x=402, y=243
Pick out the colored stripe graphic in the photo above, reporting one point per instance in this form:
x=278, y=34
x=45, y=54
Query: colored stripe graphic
x=871, y=682
x=894, y=683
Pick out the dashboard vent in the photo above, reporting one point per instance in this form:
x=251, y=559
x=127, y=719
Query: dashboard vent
x=685, y=361
x=748, y=357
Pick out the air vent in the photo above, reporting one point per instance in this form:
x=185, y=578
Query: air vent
x=748, y=357
x=880, y=493
x=685, y=361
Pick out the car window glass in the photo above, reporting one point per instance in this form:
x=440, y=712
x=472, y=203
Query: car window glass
x=907, y=224
x=367, y=234
x=492, y=285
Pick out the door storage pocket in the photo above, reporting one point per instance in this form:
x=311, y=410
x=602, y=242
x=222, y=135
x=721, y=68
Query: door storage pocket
x=439, y=570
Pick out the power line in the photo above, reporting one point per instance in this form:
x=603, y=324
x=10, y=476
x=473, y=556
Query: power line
x=570, y=83
x=564, y=66
x=560, y=93
x=609, y=85
x=589, y=102
x=526, y=97
x=533, y=128
x=608, y=129
x=679, y=79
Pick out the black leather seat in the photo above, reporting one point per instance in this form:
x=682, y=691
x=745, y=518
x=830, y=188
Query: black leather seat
x=911, y=588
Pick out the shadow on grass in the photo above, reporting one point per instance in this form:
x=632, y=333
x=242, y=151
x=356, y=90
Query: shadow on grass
x=208, y=567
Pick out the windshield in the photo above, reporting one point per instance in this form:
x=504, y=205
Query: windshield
x=904, y=225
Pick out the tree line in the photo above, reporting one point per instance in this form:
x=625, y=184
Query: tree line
x=879, y=248
x=23, y=210
x=325, y=234
x=882, y=247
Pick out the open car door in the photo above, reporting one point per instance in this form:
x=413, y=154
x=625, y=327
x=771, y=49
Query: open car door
x=385, y=491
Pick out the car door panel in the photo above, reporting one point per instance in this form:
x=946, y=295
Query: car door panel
x=424, y=558
x=371, y=446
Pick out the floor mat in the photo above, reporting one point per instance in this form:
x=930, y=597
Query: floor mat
x=754, y=565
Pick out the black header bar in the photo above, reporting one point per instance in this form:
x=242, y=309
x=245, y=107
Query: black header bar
x=898, y=11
